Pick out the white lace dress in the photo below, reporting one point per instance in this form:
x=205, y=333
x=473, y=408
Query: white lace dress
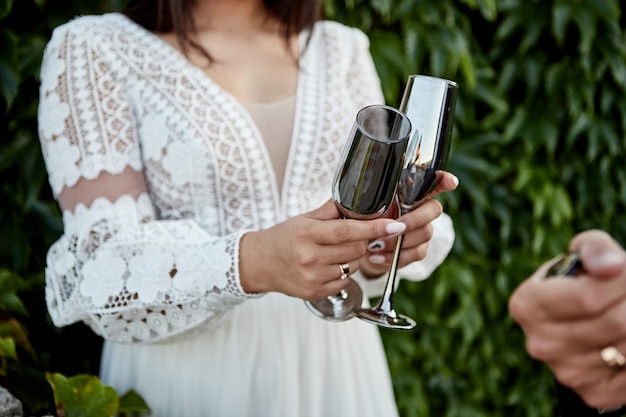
x=157, y=276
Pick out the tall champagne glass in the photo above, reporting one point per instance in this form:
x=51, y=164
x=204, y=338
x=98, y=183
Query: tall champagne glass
x=429, y=104
x=364, y=186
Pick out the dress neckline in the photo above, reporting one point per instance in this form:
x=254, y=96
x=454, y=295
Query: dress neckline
x=268, y=104
x=179, y=56
x=303, y=135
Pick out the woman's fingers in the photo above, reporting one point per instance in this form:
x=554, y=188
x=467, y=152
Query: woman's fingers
x=446, y=181
x=302, y=255
x=334, y=232
x=330, y=281
x=422, y=215
x=418, y=233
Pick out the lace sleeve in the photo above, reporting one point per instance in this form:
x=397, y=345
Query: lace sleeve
x=362, y=77
x=131, y=277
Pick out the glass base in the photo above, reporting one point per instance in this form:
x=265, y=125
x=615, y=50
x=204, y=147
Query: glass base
x=338, y=307
x=388, y=319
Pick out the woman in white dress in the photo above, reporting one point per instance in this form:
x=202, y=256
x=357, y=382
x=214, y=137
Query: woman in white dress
x=191, y=145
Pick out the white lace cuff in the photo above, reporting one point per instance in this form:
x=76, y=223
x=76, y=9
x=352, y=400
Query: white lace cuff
x=133, y=279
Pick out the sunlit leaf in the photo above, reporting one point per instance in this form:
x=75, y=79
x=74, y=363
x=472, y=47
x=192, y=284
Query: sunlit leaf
x=7, y=348
x=587, y=26
x=561, y=14
x=132, y=402
x=11, y=328
x=83, y=396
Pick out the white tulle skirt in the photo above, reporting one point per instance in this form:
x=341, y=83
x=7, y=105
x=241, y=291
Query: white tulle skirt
x=274, y=359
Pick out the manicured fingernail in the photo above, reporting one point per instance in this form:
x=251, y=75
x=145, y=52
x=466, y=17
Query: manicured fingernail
x=377, y=259
x=455, y=180
x=395, y=228
x=376, y=246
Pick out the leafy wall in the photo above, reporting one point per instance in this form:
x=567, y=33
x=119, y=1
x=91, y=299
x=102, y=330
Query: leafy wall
x=539, y=147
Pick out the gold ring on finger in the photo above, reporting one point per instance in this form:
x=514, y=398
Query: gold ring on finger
x=612, y=357
x=344, y=271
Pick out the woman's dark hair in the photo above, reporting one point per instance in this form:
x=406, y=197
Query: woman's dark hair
x=163, y=16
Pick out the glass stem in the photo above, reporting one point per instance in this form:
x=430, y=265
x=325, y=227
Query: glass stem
x=385, y=303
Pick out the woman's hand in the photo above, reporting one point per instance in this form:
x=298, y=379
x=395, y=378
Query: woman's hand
x=418, y=232
x=569, y=321
x=301, y=256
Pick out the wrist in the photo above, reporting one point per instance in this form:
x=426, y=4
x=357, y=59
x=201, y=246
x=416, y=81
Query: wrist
x=251, y=267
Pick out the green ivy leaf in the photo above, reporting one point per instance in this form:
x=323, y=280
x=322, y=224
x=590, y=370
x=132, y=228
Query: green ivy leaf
x=132, y=402
x=587, y=28
x=11, y=328
x=5, y=8
x=9, y=75
x=30, y=52
x=7, y=348
x=561, y=15
x=10, y=284
x=83, y=396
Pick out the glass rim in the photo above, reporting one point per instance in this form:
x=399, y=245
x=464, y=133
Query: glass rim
x=391, y=109
x=435, y=79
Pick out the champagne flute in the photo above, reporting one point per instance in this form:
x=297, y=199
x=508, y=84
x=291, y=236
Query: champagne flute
x=364, y=186
x=429, y=104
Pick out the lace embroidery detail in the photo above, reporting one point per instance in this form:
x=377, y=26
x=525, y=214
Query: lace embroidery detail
x=159, y=278
x=115, y=96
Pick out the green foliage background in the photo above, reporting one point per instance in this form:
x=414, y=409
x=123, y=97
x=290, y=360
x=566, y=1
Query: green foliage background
x=539, y=147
